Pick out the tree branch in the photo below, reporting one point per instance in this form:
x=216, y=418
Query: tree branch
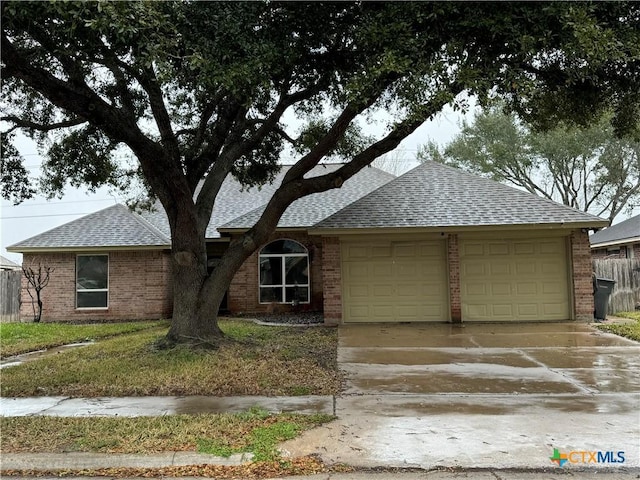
x=23, y=123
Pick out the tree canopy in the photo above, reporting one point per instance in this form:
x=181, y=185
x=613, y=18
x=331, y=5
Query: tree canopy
x=588, y=168
x=195, y=91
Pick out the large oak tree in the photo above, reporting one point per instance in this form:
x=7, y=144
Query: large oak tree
x=197, y=91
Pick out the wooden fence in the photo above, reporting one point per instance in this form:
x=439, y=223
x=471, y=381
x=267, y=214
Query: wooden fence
x=10, y=295
x=625, y=296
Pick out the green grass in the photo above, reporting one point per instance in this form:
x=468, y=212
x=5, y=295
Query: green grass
x=263, y=360
x=628, y=330
x=255, y=431
x=17, y=338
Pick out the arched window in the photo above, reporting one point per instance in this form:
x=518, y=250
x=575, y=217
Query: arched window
x=284, y=273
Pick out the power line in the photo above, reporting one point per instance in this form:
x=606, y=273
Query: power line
x=25, y=205
x=43, y=216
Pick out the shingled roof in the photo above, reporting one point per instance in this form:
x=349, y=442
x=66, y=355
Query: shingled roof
x=623, y=232
x=117, y=226
x=113, y=227
x=240, y=208
x=309, y=210
x=435, y=196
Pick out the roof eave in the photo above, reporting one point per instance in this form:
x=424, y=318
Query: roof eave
x=610, y=243
x=456, y=228
x=18, y=249
x=244, y=229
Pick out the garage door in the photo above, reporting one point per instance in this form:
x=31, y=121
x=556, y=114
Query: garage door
x=507, y=280
x=387, y=281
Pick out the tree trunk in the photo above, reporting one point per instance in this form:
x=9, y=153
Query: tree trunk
x=195, y=312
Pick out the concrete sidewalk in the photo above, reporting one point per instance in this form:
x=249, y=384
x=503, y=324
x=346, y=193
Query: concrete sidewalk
x=158, y=406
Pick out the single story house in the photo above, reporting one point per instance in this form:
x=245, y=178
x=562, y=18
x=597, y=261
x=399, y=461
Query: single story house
x=621, y=240
x=433, y=245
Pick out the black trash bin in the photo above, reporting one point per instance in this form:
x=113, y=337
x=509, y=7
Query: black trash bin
x=603, y=289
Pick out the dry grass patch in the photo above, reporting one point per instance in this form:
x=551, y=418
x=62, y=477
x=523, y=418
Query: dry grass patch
x=278, y=468
x=263, y=360
x=255, y=431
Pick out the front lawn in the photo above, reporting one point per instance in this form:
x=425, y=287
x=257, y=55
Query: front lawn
x=17, y=338
x=628, y=330
x=263, y=360
x=255, y=431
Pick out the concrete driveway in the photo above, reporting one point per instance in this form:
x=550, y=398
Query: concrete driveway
x=482, y=396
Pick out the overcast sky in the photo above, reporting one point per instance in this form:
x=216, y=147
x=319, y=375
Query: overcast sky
x=38, y=215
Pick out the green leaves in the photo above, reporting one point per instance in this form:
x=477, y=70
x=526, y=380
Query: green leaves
x=587, y=168
x=84, y=157
x=14, y=177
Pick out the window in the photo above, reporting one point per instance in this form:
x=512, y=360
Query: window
x=284, y=273
x=92, y=281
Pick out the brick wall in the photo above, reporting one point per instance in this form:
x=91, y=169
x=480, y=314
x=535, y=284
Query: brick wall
x=139, y=287
x=243, y=295
x=453, y=260
x=332, y=280
x=582, y=272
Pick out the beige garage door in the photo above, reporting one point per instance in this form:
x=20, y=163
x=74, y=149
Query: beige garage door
x=507, y=280
x=387, y=281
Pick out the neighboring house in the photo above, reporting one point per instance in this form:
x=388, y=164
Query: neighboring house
x=6, y=264
x=621, y=240
x=435, y=244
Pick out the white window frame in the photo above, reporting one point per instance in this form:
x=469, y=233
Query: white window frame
x=284, y=284
x=84, y=290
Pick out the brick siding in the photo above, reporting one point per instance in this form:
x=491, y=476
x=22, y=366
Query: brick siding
x=332, y=280
x=139, y=287
x=243, y=295
x=582, y=276
x=453, y=261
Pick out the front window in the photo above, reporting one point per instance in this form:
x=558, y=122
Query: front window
x=284, y=273
x=92, y=281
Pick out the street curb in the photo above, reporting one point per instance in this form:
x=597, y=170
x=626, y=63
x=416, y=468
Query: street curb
x=81, y=460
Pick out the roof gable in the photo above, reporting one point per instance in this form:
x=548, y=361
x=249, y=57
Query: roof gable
x=629, y=230
x=115, y=226
x=309, y=210
x=434, y=195
x=240, y=208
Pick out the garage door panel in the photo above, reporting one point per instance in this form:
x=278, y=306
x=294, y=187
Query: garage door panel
x=410, y=285
x=522, y=248
x=499, y=268
x=474, y=268
x=501, y=289
x=381, y=251
x=470, y=249
x=502, y=310
x=523, y=280
x=551, y=247
x=497, y=249
x=525, y=267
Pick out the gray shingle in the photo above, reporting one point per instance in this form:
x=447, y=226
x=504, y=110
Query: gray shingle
x=115, y=226
x=309, y=210
x=627, y=230
x=434, y=195
x=6, y=264
x=235, y=208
